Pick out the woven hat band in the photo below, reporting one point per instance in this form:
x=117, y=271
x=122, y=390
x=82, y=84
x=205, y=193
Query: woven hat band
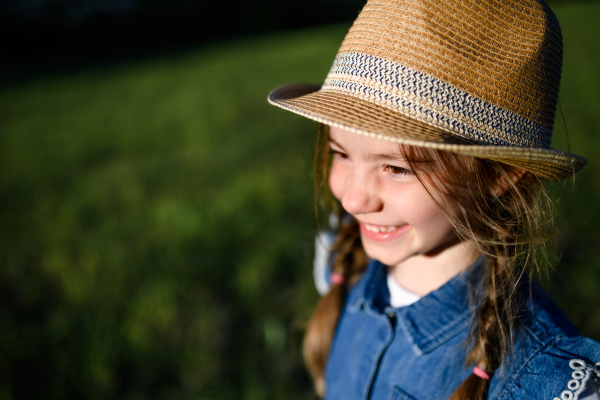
x=436, y=103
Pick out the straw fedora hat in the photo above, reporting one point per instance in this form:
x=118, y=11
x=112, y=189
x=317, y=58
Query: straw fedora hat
x=476, y=77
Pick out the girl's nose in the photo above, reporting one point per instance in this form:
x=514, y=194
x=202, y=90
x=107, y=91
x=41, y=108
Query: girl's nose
x=358, y=198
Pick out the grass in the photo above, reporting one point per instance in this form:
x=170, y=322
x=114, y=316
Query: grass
x=156, y=224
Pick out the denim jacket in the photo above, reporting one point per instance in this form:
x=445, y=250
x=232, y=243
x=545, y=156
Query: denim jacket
x=418, y=351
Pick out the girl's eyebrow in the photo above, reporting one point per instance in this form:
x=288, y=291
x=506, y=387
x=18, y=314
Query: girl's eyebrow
x=375, y=156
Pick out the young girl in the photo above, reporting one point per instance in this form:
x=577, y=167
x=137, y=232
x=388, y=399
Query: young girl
x=436, y=121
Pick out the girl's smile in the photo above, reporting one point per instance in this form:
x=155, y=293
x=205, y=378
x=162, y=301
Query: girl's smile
x=382, y=233
x=400, y=224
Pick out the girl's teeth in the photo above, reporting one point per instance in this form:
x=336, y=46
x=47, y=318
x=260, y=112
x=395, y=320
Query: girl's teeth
x=377, y=229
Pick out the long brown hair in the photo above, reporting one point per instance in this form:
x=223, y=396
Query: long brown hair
x=508, y=228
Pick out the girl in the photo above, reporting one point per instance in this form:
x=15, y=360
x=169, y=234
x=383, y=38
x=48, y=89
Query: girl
x=436, y=121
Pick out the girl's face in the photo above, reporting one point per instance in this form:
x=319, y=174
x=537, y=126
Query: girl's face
x=398, y=218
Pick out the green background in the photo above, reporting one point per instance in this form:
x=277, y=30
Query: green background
x=156, y=220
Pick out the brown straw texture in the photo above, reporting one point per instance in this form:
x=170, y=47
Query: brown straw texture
x=497, y=51
x=476, y=77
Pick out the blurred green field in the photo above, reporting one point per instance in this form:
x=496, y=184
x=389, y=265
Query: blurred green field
x=156, y=220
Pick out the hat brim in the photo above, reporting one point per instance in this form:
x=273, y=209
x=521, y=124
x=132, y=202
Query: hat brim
x=367, y=118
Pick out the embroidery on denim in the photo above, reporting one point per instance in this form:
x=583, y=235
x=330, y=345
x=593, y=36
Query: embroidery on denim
x=582, y=372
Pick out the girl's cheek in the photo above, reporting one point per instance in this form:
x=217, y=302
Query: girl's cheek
x=417, y=207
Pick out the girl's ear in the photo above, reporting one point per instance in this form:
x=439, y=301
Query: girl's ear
x=505, y=182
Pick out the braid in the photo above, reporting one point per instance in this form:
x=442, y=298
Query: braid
x=350, y=262
x=489, y=338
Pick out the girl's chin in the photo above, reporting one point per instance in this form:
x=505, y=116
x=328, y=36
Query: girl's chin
x=387, y=258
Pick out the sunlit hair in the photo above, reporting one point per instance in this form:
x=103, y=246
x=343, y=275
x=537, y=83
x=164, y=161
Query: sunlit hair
x=508, y=228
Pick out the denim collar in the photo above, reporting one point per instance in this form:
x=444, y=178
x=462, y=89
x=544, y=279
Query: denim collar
x=429, y=322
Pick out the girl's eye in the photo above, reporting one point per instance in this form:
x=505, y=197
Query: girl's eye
x=339, y=154
x=401, y=171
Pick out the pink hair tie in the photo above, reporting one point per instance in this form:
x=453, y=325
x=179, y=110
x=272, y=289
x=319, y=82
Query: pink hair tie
x=481, y=373
x=336, y=278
